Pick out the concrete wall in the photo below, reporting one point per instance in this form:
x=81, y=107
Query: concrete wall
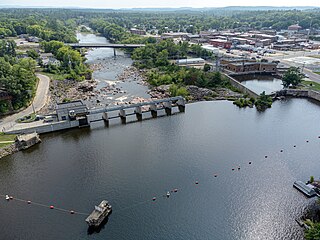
x=46, y=127
x=314, y=95
x=300, y=93
x=241, y=87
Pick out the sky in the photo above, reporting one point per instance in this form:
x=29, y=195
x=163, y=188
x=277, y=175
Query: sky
x=154, y=4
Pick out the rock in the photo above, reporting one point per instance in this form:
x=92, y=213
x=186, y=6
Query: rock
x=200, y=93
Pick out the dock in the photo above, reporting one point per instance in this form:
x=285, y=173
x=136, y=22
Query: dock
x=306, y=189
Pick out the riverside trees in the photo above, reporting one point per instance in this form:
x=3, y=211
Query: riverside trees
x=292, y=77
x=17, y=77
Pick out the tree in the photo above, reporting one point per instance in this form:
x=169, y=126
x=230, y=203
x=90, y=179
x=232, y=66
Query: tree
x=206, y=67
x=313, y=233
x=292, y=77
x=33, y=54
x=263, y=102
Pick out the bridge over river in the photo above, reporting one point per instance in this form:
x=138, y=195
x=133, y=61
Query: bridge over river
x=105, y=45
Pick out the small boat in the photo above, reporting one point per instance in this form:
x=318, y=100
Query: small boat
x=99, y=214
x=168, y=194
x=7, y=197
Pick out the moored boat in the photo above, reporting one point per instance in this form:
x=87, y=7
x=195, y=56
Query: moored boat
x=99, y=214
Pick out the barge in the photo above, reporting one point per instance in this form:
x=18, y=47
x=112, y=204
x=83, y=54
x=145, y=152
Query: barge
x=99, y=214
x=306, y=189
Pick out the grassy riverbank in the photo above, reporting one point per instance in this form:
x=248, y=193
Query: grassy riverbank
x=311, y=85
x=6, y=139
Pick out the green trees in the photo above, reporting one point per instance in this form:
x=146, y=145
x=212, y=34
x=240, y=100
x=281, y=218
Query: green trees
x=263, y=102
x=18, y=79
x=7, y=47
x=71, y=60
x=292, y=77
x=33, y=54
x=313, y=233
x=175, y=90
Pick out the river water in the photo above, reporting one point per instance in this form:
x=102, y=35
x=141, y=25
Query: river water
x=129, y=164
x=262, y=83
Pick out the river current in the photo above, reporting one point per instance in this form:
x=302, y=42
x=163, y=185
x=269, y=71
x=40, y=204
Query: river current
x=130, y=164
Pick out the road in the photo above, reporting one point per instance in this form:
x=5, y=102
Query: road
x=39, y=101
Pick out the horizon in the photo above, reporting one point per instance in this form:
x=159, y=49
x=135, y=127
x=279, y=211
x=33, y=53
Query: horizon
x=145, y=4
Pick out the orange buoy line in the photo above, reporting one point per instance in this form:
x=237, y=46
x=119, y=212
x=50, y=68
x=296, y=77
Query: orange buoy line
x=153, y=199
x=45, y=206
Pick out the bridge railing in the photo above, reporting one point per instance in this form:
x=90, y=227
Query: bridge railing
x=122, y=107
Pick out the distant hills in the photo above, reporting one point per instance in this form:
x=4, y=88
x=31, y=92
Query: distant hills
x=230, y=8
x=185, y=9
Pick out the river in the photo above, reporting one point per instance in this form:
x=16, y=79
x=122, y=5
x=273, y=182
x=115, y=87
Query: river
x=129, y=164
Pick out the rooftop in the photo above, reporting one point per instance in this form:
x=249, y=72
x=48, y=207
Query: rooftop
x=75, y=103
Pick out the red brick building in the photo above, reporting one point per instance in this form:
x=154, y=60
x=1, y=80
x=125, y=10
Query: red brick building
x=220, y=43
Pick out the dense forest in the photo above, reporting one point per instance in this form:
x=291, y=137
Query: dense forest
x=17, y=76
x=59, y=24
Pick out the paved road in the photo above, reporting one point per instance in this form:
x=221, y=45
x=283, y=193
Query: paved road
x=38, y=102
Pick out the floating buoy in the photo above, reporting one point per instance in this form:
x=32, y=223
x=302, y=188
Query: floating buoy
x=29, y=202
x=265, y=156
x=294, y=145
x=216, y=175
x=51, y=207
x=154, y=198
x=175, y=190
x=307, y=141
x=238, y=168
x=197, y=182
x=249, y=162
x=281, y=150
x=232, y=169
x=72, y=212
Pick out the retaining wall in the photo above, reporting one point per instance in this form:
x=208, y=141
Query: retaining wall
x=241, y=87
x=45, y=128
x=300, y=93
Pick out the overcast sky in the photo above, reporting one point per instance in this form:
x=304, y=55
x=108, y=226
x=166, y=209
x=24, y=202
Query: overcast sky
x=158, y=3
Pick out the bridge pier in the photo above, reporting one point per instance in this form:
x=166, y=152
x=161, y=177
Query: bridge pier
x=123, y=116
x=138, y=112
x=154, y=111
x=114, y=52
x=105, y=118
x=181, y=105
x=168, y=107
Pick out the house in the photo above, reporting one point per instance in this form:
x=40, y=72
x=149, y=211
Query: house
x=48, y=59
x=51, y=61
x=137, y=31
x=33, y=39
x=294, y=28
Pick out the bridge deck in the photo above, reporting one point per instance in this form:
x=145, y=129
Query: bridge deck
x=104, y=45
x=102, y=110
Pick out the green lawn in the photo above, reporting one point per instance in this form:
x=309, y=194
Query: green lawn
x=312, y=85
x=55, y=76
x=317, y=73
x=6, y=137
x=315, y=56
